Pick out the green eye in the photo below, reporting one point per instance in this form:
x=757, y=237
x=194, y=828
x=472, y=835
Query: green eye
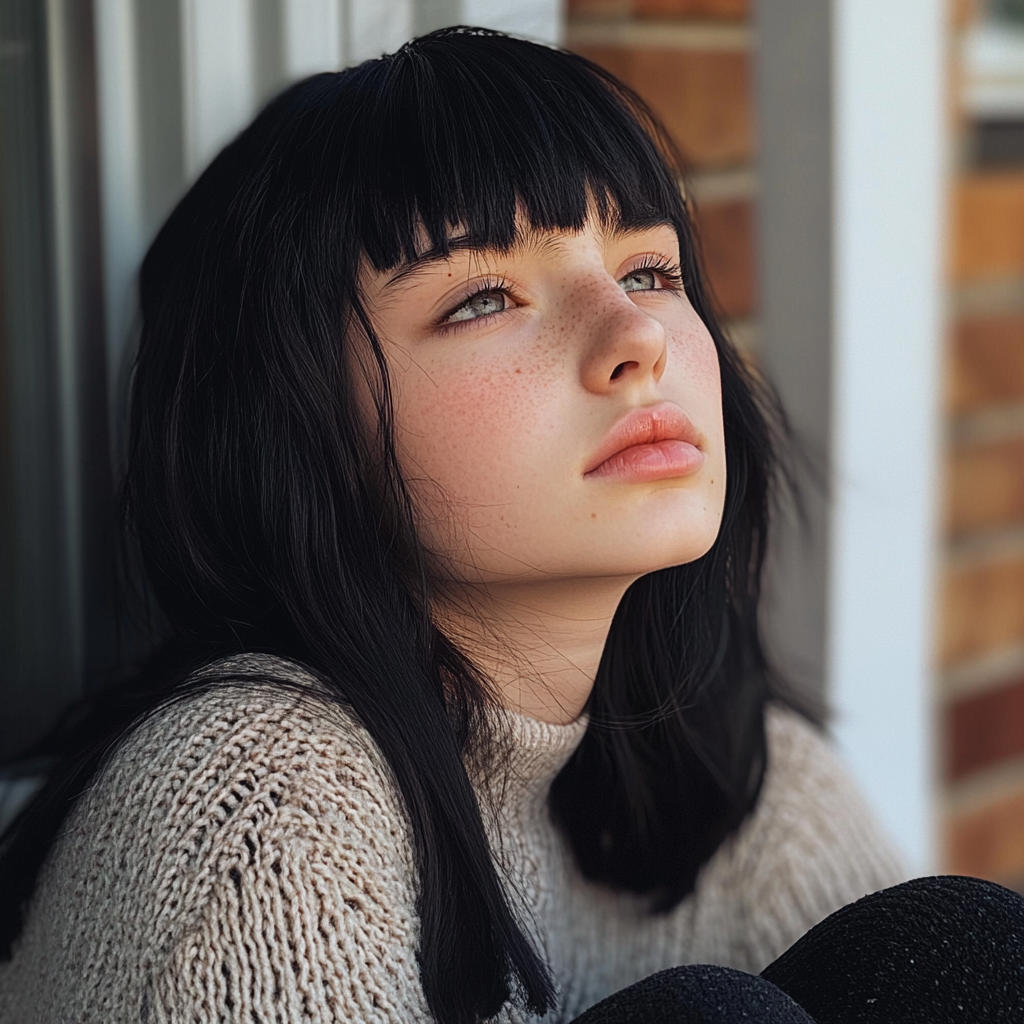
x=639, y=281
x=481, y=304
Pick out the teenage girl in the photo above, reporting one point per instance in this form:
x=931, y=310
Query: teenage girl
x=455, y=497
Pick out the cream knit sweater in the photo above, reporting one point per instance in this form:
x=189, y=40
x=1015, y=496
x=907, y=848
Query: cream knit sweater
x=244, y=857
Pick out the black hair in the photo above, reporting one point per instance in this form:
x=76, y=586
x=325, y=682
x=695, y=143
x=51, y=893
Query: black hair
x=267, y=520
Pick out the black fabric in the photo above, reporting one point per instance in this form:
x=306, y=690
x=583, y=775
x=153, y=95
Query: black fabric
x=942, y=950
x=697, y=994
x=933, y=950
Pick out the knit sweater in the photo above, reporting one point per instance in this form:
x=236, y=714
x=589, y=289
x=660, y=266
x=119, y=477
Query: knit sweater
x=244, y=857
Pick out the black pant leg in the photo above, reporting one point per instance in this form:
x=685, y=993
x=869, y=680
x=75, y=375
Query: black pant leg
x=697, y=994
x=931, y=951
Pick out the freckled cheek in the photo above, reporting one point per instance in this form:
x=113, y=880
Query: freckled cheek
x=469, y=430
x=694, y=375
x=693, y=378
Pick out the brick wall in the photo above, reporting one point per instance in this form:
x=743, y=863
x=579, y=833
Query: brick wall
x=981, y=628
x=691, y=60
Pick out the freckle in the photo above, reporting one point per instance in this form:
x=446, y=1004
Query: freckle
x=518, y=369
x=593, y=515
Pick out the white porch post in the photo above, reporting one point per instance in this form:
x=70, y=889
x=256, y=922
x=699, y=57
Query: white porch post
x=851, y=109
x=888, y=209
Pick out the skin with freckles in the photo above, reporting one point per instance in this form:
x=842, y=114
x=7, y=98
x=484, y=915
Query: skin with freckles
x=513, y=373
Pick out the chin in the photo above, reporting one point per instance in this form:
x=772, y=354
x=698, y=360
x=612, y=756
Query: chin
x=680, y=557
x=678, y=539
x=654, y=557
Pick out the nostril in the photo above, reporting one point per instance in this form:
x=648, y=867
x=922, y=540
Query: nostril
x=621, y=368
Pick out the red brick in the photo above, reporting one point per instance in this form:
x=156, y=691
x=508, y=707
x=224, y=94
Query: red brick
x=600, y=8
x=984, y=729
x=726, y=234
x=963, y=12
x=988, y=226
x=985, y=486
x=725, y=9
x=702, y=97
x=988, y=843
x=986, y=362
x=983, y=609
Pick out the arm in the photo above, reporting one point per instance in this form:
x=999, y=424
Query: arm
x=303, y=908
x=305, y=919
x=243, y=857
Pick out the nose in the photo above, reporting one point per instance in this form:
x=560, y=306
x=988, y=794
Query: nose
x=627, y=346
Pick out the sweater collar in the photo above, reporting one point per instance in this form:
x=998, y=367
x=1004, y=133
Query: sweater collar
x=532, y=753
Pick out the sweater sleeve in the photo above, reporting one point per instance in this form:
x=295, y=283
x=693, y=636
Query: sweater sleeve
x=243, y=858
x=811, y=846
x=307, y=908
x=305, y=916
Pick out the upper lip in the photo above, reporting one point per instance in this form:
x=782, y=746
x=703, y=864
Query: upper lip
x=649, y=425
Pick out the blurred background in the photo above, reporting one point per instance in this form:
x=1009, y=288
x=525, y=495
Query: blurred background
x=858, y=171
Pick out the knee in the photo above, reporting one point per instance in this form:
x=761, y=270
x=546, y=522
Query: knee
x=931, y=942
x=698, y=992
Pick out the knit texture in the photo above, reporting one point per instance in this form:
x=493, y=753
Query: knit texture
x=244, y=856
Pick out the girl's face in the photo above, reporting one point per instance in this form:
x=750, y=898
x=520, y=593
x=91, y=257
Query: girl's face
x=558, y=408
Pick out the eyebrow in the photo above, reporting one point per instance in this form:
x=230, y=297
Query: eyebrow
x=524, y=240
x=440, y=254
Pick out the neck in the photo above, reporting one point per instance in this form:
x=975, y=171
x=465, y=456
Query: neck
x=539, y=643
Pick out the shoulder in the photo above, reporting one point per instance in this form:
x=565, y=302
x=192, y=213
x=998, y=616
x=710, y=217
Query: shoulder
x=263, y=750
x=811, y=845
x=250, y=715
x=263, y=740
x=809, y=793
x=246, y=820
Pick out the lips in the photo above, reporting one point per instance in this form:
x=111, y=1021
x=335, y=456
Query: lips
x=654, y=443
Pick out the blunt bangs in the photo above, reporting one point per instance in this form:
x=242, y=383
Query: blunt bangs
x=464, y=130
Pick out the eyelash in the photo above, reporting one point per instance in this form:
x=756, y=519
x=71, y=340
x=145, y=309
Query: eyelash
x=667, y=269
x=484, y=287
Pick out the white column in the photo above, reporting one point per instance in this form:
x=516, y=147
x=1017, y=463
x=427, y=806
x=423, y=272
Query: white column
x=121, y=197
x=313, y=36
x=376, y=27
x=217, y=52
x=889, y=160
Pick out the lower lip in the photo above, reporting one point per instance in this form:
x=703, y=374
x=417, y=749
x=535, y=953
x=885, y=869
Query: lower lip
x=645, y=462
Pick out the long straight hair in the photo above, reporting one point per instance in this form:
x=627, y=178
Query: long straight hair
x=268, y=520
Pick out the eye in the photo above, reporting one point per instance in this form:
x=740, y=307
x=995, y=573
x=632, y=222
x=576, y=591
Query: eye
x=640, y=280
x=654, y=273
x=479, y=305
